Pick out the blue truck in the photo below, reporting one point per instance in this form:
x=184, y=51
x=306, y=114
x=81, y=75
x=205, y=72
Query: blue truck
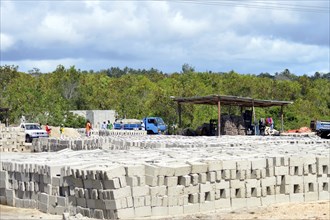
x=153, y=125
x=322, y=128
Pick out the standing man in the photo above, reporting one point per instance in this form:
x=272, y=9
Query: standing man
x=48, y=129
x=62, y=131
x=88, y=128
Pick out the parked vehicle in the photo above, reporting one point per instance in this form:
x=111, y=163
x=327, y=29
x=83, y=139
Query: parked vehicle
x=153, y=125
x=322, y=128
x=33, y=130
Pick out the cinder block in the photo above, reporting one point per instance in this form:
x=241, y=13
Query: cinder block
x=282, y=170
x=175, y=210
x=297, y=197
x=139, y=191
x=322, y=164
x=268, y=200
x=191, y=189
x=202, y=178
x=142, y=211
x=296, y=170
x=214, y=165
x=238, y=203
x=175, y=190
x=282, y=198
x=139, y=201
x=295, y=161
x=126, y=213
x=171, y=180
x=159, y=211
x=241, y=174
x=191, y=208
x=181, y=169
x=127, y=191
x=258, y=164
x=311, y=196
x=233, y=174
x=161, y=180
x=207, y=187
x=194, y=179
x=137, y=170
x=324, y=195
x=151, y=180
x=165, y=170
x=253, y=202
x=132, y=181
x=268, y=181
x=207, y=206
x=238, y=192
x=185, y=180
x=222, y=203
x=222, y=184
x=229, y=165
x=193, y=198
x=225, y=174
x=158, y=190
x=198, y=167
x=211, y=176
x=243, y=165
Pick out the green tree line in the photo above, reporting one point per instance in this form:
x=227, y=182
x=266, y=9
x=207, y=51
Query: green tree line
x=48, y=97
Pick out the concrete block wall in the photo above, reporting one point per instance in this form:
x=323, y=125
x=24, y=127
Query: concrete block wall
x=11, y=139
x=102, y=132
x=156, y=189
x=84, y=143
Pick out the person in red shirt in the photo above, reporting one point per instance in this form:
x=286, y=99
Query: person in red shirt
x=48, y=129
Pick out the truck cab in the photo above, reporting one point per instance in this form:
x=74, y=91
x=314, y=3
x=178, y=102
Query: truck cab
x=322, y=128
x=154, y=125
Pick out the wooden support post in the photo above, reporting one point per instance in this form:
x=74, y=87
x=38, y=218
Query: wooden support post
x=282, y=125
x=179, y=112
x=219, y=118
x=254, y=119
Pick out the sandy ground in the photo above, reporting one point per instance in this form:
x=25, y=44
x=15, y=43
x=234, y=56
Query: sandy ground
x=68, y=132
x=311, y=211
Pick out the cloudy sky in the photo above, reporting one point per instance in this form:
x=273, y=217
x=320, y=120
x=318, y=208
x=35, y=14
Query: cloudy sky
x=245, y=36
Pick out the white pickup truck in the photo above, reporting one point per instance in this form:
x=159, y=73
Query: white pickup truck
x=33, y=130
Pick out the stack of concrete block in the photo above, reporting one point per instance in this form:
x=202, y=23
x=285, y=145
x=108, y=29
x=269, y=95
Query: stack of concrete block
x=12, y=138
x=122, y=132
x=113, y=132
x=31, y=186
x=84, y=143
x=161, y=189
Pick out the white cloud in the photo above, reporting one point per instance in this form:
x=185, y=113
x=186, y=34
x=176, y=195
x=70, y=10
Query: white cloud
x=100, y=34
x=6, y=42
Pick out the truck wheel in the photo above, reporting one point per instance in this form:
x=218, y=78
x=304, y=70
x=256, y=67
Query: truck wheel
x=28, y=139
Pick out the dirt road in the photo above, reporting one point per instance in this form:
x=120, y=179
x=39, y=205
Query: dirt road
x=311, y=211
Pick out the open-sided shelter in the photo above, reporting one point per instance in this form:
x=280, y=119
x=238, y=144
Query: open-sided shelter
x=220, y=100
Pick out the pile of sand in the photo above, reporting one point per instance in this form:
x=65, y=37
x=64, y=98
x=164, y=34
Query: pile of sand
x=68, y=132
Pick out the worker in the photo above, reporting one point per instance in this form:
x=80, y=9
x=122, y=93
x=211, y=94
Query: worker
x=88, y=128
x=109, y=125
x=48, y=129
x=104, y=125
x=62, y=131
x=143, y=127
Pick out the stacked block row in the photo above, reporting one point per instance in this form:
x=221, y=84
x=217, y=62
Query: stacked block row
x=106, y=132
x=11, y=138
x=85, y=143
x=142, y=190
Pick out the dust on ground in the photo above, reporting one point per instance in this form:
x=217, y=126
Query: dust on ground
x=311, y=210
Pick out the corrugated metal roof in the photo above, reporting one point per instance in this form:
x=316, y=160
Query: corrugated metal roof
x=230, y=100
